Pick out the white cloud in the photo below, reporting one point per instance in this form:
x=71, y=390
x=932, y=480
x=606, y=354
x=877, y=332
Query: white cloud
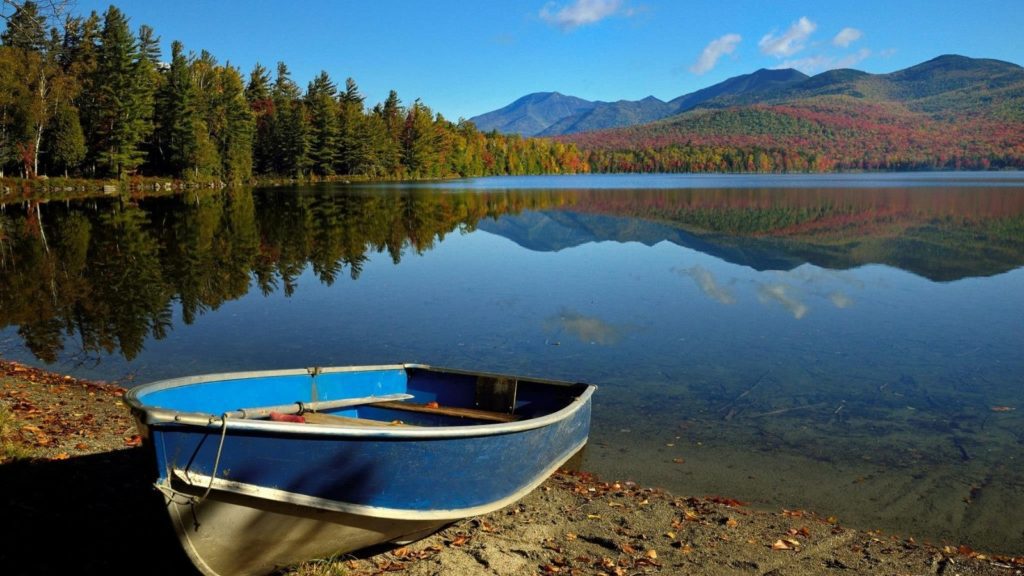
x=580, y=12
x=820, y=63
x=790, y=42
x=713, y=51
x=847, y=36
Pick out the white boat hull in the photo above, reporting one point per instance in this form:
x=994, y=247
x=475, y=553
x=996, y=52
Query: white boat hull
x=235, y=535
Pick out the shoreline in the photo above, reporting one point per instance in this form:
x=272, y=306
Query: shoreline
x=80, y=461
x=54, y=188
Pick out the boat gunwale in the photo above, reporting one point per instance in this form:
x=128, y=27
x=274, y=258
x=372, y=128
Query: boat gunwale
x=162, y=416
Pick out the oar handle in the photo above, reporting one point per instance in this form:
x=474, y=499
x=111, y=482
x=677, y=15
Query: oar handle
x=300, y=407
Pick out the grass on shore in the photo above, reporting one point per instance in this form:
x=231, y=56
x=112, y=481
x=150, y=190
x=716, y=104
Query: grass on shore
x=11, y=449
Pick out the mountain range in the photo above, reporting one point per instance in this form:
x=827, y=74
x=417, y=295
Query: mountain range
x=945, y=85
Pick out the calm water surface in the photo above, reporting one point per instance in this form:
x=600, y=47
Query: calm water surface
x=848, y=344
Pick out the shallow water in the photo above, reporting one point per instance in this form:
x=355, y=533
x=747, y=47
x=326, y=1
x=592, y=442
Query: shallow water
x=849, y=344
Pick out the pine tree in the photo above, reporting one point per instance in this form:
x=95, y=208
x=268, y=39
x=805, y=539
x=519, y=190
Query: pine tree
x=121, y=97
x=236, y=140
x=419, y=142
x=174, y=136
x=323, y=124
x=205, y=74
x=26, y=29
x=389, y=151
x=290, y=129
x=257, y=93
x=353, y=148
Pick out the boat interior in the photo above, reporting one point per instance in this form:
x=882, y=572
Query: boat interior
x=386, y=396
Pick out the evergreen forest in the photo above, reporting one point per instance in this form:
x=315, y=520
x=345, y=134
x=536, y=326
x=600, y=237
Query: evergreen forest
x=90, y=97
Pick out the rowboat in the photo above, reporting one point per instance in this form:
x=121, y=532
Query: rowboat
x=261, y=470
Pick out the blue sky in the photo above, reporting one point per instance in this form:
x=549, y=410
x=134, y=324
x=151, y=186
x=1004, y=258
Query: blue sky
x=467, y=57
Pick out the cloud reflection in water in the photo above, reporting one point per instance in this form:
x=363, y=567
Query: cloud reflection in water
x=707, y=284
x=780, y=293
x=588, y=329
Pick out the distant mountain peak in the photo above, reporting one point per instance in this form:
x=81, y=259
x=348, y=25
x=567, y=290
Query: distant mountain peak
x=555, y=114
x=532, y=113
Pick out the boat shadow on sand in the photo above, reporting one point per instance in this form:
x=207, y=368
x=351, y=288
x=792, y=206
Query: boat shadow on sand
x=95, y=514
x=90, y=514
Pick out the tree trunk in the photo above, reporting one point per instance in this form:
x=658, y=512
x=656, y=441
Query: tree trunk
x=41, y=121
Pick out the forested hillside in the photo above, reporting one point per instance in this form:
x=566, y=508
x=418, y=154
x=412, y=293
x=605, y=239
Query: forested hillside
x=87, y=96
x=951, y=112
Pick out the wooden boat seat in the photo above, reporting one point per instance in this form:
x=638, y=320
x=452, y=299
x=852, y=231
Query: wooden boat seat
x=333, y=419
x=485, y=415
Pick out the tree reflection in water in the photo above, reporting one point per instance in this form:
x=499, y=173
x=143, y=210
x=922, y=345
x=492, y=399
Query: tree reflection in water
x=108, y=271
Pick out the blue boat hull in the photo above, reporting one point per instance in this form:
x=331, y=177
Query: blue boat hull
x=248, y=497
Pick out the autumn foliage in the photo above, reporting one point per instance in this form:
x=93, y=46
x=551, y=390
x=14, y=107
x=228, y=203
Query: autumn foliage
x=813, y=135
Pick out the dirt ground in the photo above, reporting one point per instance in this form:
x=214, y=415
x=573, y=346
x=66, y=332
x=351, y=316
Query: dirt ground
x=79, y=485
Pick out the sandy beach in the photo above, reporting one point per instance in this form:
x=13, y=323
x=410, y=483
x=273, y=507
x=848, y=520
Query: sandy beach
x=76, y=478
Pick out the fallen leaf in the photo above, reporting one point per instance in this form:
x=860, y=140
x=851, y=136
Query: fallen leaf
x=61, y=456
x=732, y=523
x=670, y=535
x=678, y=461
x=730, y=502
x=550, y=544
x=433, y=405
x=685, y=548
x=401, y=552
x=651, y=554
x=133, y=441
x=626, y=548
x=459, y=540
x=965, y=550
x=781, y=545
x=570, y=536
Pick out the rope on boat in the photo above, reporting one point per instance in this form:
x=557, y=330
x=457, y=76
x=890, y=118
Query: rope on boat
x=173, y=495
x=216, y=461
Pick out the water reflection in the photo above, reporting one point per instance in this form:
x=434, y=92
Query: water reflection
x=706, y=281
x=107, y=271
x=783, y=295
x=586, y=329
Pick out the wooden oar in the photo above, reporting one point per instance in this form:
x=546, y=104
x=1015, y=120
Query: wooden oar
x=300, y=407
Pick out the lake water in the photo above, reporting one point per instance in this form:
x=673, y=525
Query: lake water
x=846, y=344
